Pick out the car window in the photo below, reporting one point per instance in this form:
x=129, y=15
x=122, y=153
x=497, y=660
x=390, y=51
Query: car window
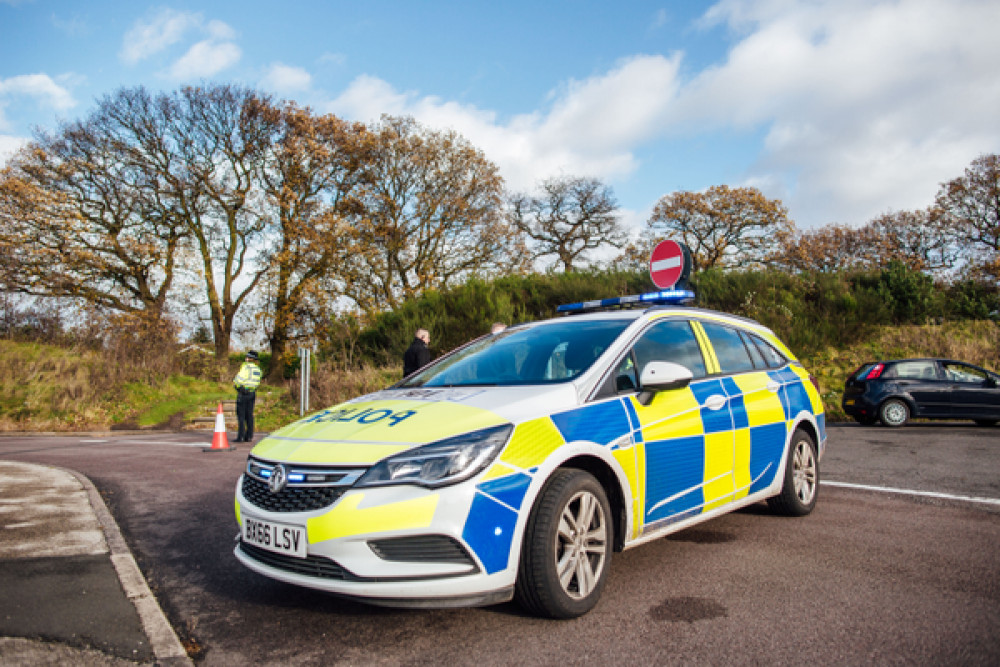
x=962, y=373
x=916, y=370
x=674, y=341
x=773, y=358
x=732, y=354
x=552, y=352
x=755, y=354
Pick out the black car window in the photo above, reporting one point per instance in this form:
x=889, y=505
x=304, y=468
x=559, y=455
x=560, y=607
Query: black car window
x=729, y=348
x=674, y=341
x=916, y=370
x=962, y=373
x=755, y=354
x=774, y=358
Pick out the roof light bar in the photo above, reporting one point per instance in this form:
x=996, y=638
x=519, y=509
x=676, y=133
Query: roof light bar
x=666, y=297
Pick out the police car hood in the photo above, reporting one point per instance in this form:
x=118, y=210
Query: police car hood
x=369, y=428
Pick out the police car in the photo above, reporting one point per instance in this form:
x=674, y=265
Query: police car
x=516, y=466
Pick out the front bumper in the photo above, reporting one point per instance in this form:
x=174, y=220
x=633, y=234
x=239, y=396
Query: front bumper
x=395, y=545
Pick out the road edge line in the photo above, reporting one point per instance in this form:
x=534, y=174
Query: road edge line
x=912, y=492
x=166, y=645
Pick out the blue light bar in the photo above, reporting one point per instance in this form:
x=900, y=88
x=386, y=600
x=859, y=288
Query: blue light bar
x=667, y=297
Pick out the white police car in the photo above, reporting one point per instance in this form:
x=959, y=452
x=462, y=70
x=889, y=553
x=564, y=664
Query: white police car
x=517, y=465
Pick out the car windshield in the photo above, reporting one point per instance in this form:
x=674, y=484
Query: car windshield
x=541, y=354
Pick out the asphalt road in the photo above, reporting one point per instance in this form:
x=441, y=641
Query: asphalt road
x=908, y=574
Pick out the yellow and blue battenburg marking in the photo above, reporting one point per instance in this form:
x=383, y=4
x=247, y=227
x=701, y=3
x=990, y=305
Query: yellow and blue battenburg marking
x=680, y=457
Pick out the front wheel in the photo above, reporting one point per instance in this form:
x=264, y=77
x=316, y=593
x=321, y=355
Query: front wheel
x=566, y=552
x=801, y=485
x=986, y=422
x=894, y=412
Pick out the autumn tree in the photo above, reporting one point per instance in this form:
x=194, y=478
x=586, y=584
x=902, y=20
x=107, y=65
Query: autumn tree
x=223, y=134
x=915, y=239
x=85, y=212
x=431, y=216
x=970, y=204
x=724, y=227
x=568, y=218
x=311, y=181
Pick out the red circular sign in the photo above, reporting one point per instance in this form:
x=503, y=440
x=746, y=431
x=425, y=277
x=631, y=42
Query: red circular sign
x=666, y=264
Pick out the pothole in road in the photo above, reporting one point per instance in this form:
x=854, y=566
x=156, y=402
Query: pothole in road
x=687, y=609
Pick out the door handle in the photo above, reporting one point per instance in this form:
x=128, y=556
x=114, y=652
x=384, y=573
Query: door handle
x=715, y=402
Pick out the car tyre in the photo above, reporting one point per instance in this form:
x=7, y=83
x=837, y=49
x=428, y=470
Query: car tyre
x=986, y=422
x=894, y=413
x=566, y=550
x=800, y=488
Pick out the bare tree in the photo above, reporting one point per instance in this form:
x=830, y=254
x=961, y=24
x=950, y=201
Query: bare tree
x=569, y=218
x=85, y=212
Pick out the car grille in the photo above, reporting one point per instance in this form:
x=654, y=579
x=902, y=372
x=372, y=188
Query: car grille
x=308, y=488
x=311, y=566
x=291, y=499
x=422, y=549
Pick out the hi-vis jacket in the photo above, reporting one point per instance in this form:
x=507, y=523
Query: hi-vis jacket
x=248, y=378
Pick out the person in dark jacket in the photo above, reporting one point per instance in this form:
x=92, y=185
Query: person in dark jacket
x=418, y=354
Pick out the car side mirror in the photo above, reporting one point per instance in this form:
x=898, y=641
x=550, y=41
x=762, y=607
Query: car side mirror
x=991, y=382
x=662, y=376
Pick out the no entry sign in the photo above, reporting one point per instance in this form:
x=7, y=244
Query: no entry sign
x=667, y=264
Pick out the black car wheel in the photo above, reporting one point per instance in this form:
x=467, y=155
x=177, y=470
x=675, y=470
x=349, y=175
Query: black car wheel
x=801, y=485
x=986, y=422
x=894, y=412
x=566, y=550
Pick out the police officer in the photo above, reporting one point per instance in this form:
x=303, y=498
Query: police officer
x=246, y=383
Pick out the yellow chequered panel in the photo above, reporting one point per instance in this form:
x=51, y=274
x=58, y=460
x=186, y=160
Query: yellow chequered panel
x=346, y=519
x=627, y=460
x=532, y=443
x=671, y=414
x=763, y=406
x=742, y=462
x=718, y=488
x=497, y=470
x=815, y=400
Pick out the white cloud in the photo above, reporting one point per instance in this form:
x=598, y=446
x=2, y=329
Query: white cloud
x=204, y=59
x=10, y=145
x=866, y=106
x=590, y=129
x=283, y=79
x=39, y=86
x=210, y=55
x=146, y=38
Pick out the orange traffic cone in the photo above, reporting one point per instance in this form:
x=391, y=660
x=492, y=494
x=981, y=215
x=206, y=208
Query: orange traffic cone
x=220, y=443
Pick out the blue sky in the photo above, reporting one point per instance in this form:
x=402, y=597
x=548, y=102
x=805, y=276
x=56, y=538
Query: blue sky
x=843, y=109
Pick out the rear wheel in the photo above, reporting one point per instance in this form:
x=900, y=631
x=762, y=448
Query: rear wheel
x=894, y=412
x=986, y=422
x=566, y=551
x=801, y=486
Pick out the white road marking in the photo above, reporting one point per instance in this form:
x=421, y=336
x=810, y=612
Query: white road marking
x=93, y=441
x=913, y=492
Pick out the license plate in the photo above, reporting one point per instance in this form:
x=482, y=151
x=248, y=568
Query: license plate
x=277, y=537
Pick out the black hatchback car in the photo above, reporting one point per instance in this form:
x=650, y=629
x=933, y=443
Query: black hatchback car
x=894, y=391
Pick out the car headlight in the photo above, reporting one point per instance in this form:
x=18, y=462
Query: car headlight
x=440, y=463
